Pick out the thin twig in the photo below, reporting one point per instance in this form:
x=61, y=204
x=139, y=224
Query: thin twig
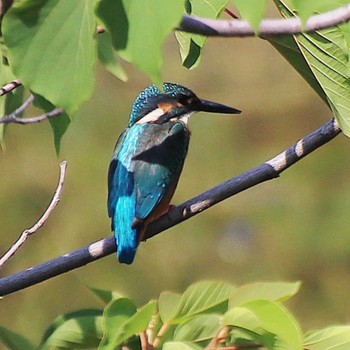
x=12, y=118
x=9, y=87
x=26, y=233
x=267, y=28
x=264, y=172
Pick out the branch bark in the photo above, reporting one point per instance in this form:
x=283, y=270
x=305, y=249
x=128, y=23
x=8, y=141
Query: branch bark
x=268, y=27
x=265, y=171
x=26, y=233
x=14, y=117
x=9, y=87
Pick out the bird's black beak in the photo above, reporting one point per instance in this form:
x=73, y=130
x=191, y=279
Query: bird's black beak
x=213, y=107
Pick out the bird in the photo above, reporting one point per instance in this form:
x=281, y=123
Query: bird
x=148, y=159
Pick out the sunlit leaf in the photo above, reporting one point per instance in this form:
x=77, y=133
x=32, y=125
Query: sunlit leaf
x=326, y=54
x=122, y=321
x=331, y=338
x=275, y=318
x=202, y=327
x=10, y=101
x=51, y=49
x=253, y=11
x=139, y=28
x=59, y=124
x=205, y=296
x=108, y=57
x=305, y=9
x=79, y=330
x=274, y=291
x=115, y=316
x=168, y=304
x=191, y=44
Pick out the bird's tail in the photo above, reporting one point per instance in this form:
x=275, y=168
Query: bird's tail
x=127, y=236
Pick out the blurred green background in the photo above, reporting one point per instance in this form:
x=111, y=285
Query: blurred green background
x=292, y=228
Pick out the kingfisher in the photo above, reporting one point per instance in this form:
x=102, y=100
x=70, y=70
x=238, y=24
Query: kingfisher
x=148, y=159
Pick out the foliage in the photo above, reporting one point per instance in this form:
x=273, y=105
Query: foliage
x=61, y=37
x=53, y=46
x=208, y=315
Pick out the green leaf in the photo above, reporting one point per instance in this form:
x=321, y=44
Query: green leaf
x=78, y=330
x=253, y=11
x=14, y=341
x=122, y=321
x=288, y=48
x=201, y=327
x=331, y=338
x=241, y=317
x=274, y=291
x=107, y=56
x=274, y=318
x=191, y=44
x=305, y=9
x=326, y=54
x=105, y=295
x=59, y=124
x=139, y=28
x=201, y=297
x=115, y=316
x=51, y=49
x=168, y=304
x=179, y=345
x=10, y=101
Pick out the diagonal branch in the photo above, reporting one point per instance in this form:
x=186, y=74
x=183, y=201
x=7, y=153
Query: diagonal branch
x=28, y=232
x=268, y=27
x=263, y=172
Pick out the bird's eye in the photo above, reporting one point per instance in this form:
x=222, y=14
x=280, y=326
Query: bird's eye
x=187, y=100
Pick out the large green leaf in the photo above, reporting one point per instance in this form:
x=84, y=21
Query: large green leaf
x=115, y=316
x=58, y=124
x=10, y=101
x=76, y=330
x=191, y=44
x=305, y=9
x=139, y=28
x=253, y=11
x=274, y=291
x=201, y=327
x=270, y=316
x=107, y=56
x=122, y=321
x=168, y=304
x=51, y=48
x=202, y=297
x=14, y=341
x=332, y=338
x=326, y=54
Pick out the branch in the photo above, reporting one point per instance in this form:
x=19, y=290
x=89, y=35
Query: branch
x=26, y=233
x=268, y=27
x=9, y=87
x=14, y=116
x=266, y=171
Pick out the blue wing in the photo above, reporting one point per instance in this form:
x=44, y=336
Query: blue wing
x=147, y=162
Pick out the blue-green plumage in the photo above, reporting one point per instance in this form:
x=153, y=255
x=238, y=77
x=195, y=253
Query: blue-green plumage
x=148, y=159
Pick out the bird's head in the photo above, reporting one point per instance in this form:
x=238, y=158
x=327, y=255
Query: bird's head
x=175, y=102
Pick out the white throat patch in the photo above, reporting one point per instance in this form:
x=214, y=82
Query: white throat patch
x=151, y=116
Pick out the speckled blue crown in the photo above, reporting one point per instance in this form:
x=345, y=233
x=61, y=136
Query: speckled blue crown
x=146, y=101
